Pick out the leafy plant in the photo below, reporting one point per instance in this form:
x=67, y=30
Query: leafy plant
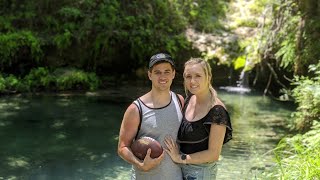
x=39, y=79
x=298, y=156
x=2, y=83
x=240, y=62
x=68, y=79
x=63, y=40
x=70, y=12
x=307, y=95
x=11, y=82
x=12, y=43
x=287, y=53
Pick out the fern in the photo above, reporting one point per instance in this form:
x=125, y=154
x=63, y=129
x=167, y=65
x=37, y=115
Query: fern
x=286, y=53
x=68, y=79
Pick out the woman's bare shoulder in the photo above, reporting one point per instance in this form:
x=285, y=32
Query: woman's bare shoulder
x=219, y=102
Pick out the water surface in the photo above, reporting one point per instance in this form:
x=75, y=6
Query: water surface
x=74, y=137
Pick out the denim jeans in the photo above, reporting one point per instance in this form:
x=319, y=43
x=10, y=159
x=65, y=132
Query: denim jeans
x=207, y=171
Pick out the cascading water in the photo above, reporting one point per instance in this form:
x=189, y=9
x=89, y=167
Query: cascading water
x=243, y=82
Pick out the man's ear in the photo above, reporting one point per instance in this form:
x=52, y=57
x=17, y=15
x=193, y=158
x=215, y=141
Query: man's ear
x=149, y=75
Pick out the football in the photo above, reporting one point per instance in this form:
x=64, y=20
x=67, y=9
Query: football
x=140, y=146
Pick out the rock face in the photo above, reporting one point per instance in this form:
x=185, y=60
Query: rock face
x=222, y=46
x=243, y=24
x=220, y=49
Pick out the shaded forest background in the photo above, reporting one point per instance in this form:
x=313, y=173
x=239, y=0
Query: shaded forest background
x=89, y=44
x=109, y=38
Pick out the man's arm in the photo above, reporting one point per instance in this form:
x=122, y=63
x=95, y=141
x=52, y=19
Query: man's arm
x=128, y=131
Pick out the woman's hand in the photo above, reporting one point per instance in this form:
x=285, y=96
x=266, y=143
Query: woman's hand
x=172, y=149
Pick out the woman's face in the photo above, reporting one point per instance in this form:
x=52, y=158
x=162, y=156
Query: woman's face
x=195, y=79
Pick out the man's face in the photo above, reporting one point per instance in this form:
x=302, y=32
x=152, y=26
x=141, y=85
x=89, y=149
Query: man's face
x=161, y=75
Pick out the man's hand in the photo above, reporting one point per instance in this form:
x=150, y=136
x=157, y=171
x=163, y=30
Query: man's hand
x=149, y=163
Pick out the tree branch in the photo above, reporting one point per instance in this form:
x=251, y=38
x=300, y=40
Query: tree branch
x=275, y=75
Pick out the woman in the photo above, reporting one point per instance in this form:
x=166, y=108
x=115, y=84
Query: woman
x=205, y=125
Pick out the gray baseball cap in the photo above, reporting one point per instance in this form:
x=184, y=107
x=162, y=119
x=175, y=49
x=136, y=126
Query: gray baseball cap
x=160, y=57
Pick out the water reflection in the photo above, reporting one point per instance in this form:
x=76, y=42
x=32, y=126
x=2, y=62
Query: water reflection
x=258, y=125
x=75, y=137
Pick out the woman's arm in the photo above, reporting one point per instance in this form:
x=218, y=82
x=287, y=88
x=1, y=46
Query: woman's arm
x=216, y=137
x=212, y=154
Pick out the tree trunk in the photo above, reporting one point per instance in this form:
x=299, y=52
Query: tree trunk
x=298, y=65
x=307, y=34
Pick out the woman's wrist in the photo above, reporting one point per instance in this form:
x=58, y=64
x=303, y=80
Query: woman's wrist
x=183, y=158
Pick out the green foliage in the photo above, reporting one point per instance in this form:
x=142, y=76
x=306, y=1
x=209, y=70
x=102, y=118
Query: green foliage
x=287, y=53
x=240, y=62
x=259, y=6
x=63, y=40
x=70, y=12
x=307, y=95
x=11, y=82
x=96, y=35
x=310, y=51
x=11, y=44
x=5, y=24
x=42, y=79
x=298, y=157
x=61, y=79
x=68, y=79
x=39, y=79
x=248, y=22
x=291, y=36
x=203, y=15
x=251, y=56
x=159, y=23
x=287, y=36
x=2, y=84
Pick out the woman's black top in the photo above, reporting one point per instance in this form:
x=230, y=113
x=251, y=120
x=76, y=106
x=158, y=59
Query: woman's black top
x=194, y=136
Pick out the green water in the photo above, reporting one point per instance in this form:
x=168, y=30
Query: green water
x=73, y=137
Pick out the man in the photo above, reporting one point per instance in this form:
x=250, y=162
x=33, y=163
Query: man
x=155, y=114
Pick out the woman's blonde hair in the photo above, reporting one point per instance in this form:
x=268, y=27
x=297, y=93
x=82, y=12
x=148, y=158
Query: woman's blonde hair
x=208, y=73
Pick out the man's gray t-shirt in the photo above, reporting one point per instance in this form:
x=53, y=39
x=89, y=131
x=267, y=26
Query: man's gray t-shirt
x=158, y=123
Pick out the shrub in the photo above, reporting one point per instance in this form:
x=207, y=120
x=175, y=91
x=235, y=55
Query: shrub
x=13, y=44
x=307, y=95
x=39, y=79
x=298, y=156
x=68, y=79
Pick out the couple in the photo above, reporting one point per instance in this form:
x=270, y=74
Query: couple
x=192, y=131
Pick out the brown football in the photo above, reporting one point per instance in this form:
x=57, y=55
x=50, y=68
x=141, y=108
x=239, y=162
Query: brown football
x=140, y=146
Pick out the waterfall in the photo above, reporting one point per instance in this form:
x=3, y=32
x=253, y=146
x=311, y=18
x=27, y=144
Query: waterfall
x=242, y=83
x=243, y=79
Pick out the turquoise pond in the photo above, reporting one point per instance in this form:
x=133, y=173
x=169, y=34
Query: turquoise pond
x=74, y=136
